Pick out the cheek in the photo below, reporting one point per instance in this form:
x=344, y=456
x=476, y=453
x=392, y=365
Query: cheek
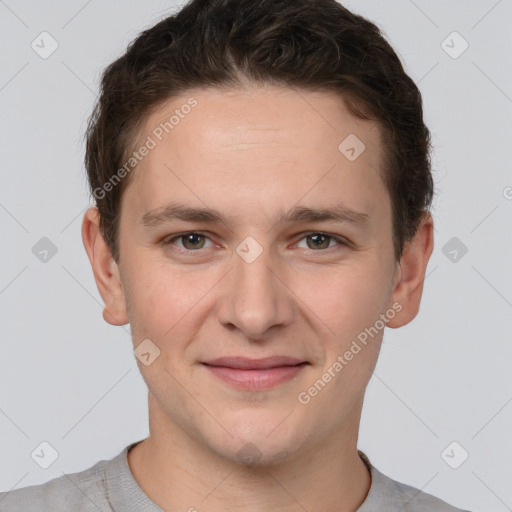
x=163, y=299
x=340, y=300
x=345, y=297
x=347, y=303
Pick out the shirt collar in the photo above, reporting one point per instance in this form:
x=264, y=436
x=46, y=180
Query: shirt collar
x=124, y=493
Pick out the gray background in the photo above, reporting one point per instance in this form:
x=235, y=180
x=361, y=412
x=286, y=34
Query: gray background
x=70, y=379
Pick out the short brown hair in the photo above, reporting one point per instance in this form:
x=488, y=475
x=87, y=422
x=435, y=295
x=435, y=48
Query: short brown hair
x=307, y=44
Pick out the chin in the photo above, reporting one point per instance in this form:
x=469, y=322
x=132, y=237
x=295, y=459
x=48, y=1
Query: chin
x=257, y=453
x=265, y=443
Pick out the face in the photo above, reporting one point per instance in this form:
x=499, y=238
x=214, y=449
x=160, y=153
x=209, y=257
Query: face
x=262, y=276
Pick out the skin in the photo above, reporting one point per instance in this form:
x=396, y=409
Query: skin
x=252, y=153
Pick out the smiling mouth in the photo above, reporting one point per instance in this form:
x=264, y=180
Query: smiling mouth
x=255, y=375
x=245, y=363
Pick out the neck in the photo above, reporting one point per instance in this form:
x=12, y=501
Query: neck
x=179, y=473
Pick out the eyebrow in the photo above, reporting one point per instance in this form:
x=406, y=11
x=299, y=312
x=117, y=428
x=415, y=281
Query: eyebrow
x=177, y=211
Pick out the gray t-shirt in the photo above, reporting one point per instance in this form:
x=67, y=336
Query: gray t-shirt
x=109, y=486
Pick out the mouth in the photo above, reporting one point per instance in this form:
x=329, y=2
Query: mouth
x=255, y=374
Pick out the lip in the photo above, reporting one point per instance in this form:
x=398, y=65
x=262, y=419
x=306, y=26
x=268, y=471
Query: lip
x=255, y=374
x=244, y=363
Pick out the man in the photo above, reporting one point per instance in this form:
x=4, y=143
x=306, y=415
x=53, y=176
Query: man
x=262, y=182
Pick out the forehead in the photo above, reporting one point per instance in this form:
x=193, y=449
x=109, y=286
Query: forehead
x=275, y=145
x=264, y=114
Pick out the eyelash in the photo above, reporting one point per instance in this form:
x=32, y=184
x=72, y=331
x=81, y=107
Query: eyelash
x=170, y=241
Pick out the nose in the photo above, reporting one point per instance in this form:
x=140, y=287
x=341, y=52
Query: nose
x=256, y=297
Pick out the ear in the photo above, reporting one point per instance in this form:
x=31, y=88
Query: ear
x=410, y=273
x=105, y=269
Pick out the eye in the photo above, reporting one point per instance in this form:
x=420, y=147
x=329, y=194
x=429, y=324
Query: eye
x=322, y=240
x=191, y=241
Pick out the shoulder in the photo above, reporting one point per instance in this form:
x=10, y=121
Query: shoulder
x=83, y=491
x=386, y=494
x=418, y=501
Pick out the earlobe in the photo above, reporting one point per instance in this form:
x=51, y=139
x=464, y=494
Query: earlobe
x=105, y=269
x=410, y=273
